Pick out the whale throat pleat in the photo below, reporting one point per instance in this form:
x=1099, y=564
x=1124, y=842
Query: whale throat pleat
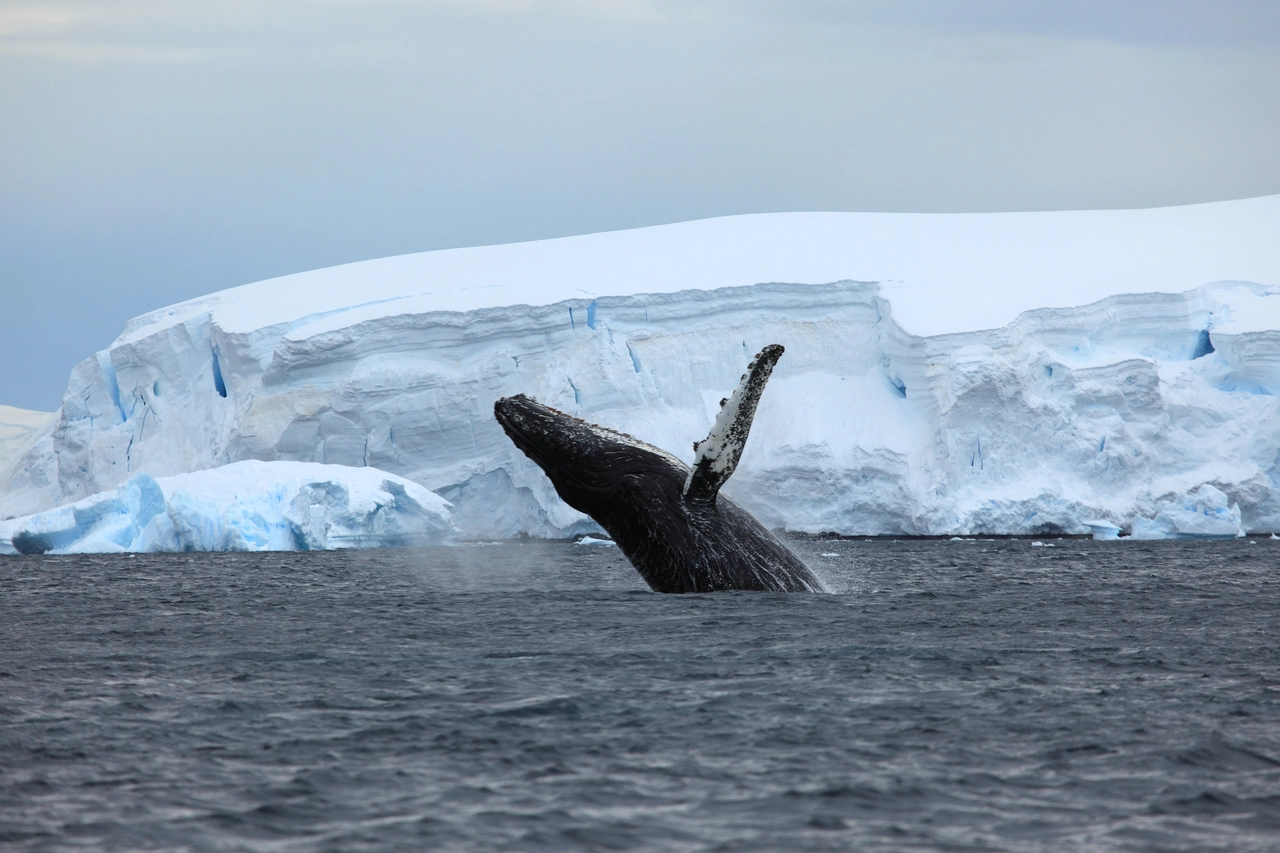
x=716, y=456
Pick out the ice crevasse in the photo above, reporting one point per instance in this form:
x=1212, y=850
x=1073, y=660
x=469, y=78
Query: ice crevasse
x=944, y=374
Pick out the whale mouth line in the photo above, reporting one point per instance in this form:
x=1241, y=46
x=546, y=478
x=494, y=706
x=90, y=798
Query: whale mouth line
x=515, y=422
x=517, y=432
x=503, y=415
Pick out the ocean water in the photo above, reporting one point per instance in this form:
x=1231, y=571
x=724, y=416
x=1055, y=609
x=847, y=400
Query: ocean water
x=979, y=695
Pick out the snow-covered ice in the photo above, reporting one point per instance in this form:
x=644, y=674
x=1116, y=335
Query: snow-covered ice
x=16, y=427
x=944, y=374
x=1205, y=514
x=245, y=506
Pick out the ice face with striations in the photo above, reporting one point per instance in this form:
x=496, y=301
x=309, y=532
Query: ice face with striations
x=944, y=374
x=245, y=506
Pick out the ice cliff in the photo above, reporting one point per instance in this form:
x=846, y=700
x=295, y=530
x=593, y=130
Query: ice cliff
x=245, y=506
x=944, y=374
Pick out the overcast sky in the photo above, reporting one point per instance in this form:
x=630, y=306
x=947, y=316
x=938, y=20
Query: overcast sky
x=151, y=151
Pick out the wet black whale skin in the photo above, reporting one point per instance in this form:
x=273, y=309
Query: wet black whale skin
x=635, y=492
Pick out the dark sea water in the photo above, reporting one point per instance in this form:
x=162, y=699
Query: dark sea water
x=990, y=695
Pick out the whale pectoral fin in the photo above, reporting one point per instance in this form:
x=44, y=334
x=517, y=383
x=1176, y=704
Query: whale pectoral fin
x=716, y=456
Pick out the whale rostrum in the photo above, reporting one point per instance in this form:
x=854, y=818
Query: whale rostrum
x=669, y=519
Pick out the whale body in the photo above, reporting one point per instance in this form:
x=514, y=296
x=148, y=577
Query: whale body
x=667, y=517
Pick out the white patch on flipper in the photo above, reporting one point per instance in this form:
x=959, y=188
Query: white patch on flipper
x=716, y=456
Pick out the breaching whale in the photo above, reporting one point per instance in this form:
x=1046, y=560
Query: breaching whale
x=668, y=519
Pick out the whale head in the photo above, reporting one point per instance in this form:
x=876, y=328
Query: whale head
x=594, y=469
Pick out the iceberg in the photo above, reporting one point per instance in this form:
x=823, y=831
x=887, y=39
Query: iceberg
x=945, y=374
x=245, y=506
x=1102, y=529
x=1203, y=514
x=592, y=540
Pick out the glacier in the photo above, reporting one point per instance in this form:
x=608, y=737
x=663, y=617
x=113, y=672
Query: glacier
x=945, y=374
x=244, y=506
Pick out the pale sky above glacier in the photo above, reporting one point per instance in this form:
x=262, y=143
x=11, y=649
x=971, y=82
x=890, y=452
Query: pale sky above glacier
x=155, y=150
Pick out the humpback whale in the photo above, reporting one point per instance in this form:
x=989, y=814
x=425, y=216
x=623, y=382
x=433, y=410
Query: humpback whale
x=667, y=517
